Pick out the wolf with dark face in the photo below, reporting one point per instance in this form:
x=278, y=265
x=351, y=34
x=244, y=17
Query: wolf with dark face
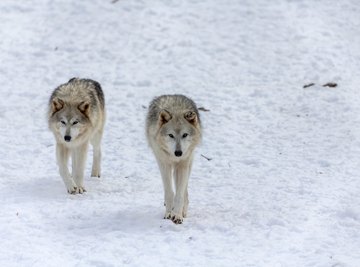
x=173, y=131
x=76, y=116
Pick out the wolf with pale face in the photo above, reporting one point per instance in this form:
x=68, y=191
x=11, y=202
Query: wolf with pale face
x=173, y=131
x=76, y=117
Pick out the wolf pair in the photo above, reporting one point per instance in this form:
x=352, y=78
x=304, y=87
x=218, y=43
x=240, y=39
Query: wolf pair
x=76, y=117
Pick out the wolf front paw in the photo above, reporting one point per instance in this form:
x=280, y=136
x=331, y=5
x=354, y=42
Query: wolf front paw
x=76, y=190
x=72, y=190
x=177, y=219
x=81, y=190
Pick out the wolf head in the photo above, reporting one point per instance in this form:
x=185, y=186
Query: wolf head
x=69, y=122
x=179, y=133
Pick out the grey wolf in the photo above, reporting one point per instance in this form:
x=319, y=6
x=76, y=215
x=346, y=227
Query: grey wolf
x=76, y=117
x=173, y=131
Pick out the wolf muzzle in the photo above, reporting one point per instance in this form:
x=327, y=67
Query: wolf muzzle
x=67, y=138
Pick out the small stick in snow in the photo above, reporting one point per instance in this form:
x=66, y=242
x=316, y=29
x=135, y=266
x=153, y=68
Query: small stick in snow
x=206, y=157
x=204, y=109
x=330, y=85
x=114, y=1
x=308, y=85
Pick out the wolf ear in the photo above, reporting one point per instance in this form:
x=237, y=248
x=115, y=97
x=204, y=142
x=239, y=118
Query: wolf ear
x=164, y=117
x=191, y=117
x=56, y=105
x=84, y=107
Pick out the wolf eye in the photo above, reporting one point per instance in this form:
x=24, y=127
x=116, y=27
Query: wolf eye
x=185, y=134
x=63, y=122
x=171, y=136
x=75, y=122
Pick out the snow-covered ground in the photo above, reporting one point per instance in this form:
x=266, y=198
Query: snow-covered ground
x=283, y=185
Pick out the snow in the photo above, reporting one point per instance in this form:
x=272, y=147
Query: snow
x=282, y=187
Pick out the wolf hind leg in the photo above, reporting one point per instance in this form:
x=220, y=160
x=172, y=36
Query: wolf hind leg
x=96, y=165
x=186, y=195
x=186, y=203
x=78, y=166
x=62, y=157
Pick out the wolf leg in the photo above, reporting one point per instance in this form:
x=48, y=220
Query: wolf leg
x=186, y=195
x=96, y=165
x=182, y=172
x=79, y=160
x=186, y=203
x=62, y=157
x=165, y=170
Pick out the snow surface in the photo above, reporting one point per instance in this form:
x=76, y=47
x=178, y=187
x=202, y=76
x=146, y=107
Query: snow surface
x=282, y=188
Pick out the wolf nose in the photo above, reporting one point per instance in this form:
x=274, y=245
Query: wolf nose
x=67, y=138
x=178, y=153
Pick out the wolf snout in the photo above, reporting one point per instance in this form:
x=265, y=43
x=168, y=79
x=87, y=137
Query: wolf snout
x=67, y=138
x=178, y=153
